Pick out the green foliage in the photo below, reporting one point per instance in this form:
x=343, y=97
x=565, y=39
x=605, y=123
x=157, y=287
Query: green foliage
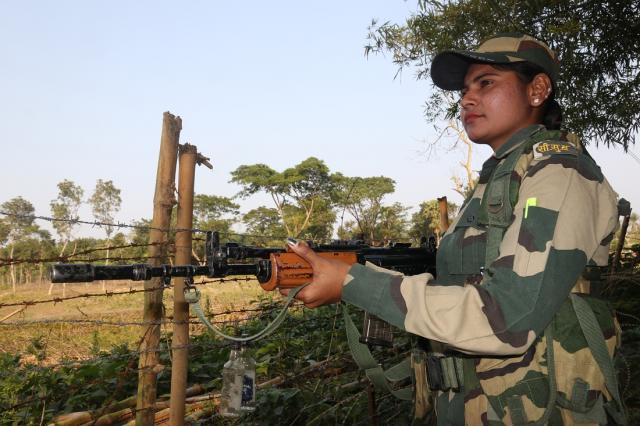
x=319, y=225
x=319, y=381
x=28, y=391
x=426, y=221
x=22, y=237
x=65, y=208
x=105, y=203
x=19, y=222
x=214, y=213
x=139, y=236
x=212, y=207
x=4, y=232
x=362, y=198
x=597, y=43
x=255, y=178
x=392, y=225
x=263, y=221
x=299, y=192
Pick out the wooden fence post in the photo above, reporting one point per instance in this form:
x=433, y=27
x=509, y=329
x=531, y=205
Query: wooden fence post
x=180, y=340
x=163, y=202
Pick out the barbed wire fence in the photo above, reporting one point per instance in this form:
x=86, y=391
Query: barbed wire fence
x=229, y=318
x=15, y=317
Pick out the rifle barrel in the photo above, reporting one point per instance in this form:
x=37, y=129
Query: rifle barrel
x=86, y=272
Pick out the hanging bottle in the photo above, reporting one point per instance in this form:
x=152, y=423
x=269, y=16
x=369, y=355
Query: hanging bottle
x=248, y=402
x=232, y=384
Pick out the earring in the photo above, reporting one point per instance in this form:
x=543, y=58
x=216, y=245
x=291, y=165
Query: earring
x=536, y=101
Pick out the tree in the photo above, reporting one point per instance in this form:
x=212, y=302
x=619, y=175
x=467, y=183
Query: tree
x=597, y=41
x=65, y=209
x=264, y=226
x=18, y=223
x=119, y=240
x=426, y=221
x=105, y=203
x=209, y=212
x=139, y=236
x=37, y=244
x=362, y=198
x=392, y=225
x=4, y=232
x=320, y=224
x=302, y=186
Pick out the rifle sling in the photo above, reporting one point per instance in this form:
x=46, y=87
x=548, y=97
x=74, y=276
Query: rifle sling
x=192, y=296
x=381, y=379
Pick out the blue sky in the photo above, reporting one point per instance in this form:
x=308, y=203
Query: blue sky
x=84, y=85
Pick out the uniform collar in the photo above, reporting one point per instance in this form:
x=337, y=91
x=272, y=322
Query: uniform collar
x=517, y=139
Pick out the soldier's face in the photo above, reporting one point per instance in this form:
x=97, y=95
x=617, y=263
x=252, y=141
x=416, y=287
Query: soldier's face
x=494, y=105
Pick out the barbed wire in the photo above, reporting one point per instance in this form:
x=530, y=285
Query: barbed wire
x=164, y=348
x=132, y=356
x=66, y=257
x=7, y=261
x=167, y=321
x=108, y=323
x=101, y=358
x=113, y=260
x=96, y=223
x=55, y=300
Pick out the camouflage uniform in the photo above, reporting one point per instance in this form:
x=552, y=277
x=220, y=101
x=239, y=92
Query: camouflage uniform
x=499, y=318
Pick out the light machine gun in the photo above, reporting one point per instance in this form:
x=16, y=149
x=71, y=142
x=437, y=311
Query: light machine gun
x=274, y=268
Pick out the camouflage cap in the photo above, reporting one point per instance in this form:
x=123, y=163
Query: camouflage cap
x=449, y=67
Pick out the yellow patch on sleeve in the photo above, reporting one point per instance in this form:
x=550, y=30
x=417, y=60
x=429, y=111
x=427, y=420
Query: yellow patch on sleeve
x=533, y=201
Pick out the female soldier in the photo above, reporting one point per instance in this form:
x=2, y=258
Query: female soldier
x=517, y=269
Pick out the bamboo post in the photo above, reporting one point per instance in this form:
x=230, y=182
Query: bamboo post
x=180, y=341
x=444, y=214
x=163, y=202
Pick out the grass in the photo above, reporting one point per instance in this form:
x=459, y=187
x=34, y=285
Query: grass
x=48, y=343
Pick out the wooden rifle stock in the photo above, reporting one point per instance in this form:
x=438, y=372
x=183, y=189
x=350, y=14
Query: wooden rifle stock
x=288, y=270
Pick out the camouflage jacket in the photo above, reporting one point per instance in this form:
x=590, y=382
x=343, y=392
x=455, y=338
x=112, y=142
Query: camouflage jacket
x=564, y=217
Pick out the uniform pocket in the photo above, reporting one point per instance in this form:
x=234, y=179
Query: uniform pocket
x=464, y=248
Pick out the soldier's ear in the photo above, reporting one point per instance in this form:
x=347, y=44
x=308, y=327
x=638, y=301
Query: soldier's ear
x=539, y=89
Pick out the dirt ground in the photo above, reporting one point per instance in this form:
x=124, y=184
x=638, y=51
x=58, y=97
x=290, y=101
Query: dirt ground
x=67, y=329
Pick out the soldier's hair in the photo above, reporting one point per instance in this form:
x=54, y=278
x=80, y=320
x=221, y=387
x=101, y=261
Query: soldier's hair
x=526, y=71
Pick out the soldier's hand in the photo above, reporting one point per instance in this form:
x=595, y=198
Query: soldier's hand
x=328, y=276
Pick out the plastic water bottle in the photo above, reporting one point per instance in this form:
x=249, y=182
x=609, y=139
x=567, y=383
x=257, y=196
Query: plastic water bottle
x=232, y=384
x=248, y=402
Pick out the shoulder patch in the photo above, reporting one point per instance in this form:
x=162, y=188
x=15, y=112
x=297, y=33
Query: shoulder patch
x=553, y=147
